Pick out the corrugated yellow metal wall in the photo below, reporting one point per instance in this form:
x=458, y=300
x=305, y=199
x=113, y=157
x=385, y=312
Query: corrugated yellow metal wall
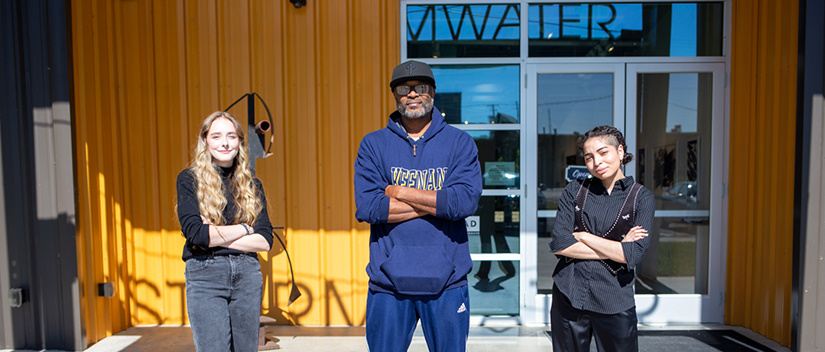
x=762, y=134
x=145, y=73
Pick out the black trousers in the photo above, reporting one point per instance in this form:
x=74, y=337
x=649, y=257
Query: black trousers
x=572, y=329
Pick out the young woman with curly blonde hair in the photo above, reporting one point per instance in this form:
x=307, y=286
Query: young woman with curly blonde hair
x=222, y=211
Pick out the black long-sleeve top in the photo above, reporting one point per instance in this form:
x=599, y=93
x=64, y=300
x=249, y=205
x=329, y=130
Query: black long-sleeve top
x=192, y=226
x=587, y=283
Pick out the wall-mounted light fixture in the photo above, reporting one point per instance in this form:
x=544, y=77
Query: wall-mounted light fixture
x=298, y=3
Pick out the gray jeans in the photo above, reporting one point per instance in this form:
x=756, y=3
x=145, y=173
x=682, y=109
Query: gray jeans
x=223, y=295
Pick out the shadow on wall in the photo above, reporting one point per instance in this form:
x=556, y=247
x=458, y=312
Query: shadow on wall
x=273, y=288
x=41, y=266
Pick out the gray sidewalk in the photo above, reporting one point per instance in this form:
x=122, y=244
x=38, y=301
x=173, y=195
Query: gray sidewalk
x=482, y=339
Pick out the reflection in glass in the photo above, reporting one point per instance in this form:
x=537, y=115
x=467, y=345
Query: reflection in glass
x=677, y=260
x=477, y=94
x=495, y=228
x=489, y=30
x=673, y=161
x=625, y=29
x=546, y=260
x=498, y=154
x=569, y=104
x=673, y=149
x=497, y=231
x=496, y=295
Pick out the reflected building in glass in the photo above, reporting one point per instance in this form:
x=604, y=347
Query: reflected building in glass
x=526, y=87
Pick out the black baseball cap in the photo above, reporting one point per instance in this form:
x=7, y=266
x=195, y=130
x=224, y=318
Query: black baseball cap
x=412, y=70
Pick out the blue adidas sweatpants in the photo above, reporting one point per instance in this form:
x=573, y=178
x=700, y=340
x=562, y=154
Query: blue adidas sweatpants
x=445, y=320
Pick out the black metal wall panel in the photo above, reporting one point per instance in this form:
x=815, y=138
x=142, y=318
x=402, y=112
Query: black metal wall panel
x=37, y=232
x=17, y=321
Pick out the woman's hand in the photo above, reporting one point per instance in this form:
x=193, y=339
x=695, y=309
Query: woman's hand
x=635, y=234
x=591, y=246
x=579, y=235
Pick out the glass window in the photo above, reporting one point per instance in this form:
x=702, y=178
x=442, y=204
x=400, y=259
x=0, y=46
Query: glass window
x=677, y=260
x=569, y=105
x=498, y=154
x=497, y=227
x=546, y=260
x=673, y=153
x=625, y=29
x=477, y=94
x=494, y=229
x=439, y=31
x=496, y=295
x=673, y=161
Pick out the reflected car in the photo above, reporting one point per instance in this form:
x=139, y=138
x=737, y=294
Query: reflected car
x=682, y=192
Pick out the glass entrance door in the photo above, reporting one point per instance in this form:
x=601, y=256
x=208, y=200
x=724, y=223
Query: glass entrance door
x=675, y=128
x=673, y=118
x=563, y=102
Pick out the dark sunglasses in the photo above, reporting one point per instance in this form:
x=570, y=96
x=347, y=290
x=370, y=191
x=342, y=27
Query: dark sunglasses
x=420, y=89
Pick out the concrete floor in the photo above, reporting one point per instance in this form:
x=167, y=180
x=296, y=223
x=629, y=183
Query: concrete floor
x=344, y=339
x=310, y=339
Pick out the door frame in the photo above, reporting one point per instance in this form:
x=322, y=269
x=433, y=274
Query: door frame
x=691, y=308
x=535, y=307
x=677, y=308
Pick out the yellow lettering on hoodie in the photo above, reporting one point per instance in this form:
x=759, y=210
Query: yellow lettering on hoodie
x=429, y=180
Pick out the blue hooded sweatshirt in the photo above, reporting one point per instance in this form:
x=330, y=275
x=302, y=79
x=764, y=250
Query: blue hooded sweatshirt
x=429, y=254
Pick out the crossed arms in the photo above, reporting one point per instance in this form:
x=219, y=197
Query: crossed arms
x=590, y=246
x=583, y=245
x=409, y=203
x=236, y=237
x=202, y=233
x=378, y=200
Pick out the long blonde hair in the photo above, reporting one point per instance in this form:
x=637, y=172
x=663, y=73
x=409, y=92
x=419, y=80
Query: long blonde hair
x=211, y=198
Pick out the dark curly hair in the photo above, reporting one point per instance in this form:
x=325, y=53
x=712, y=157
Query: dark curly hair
x=610, y=135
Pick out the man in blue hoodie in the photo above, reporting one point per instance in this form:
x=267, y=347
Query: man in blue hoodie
x=416, y=180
